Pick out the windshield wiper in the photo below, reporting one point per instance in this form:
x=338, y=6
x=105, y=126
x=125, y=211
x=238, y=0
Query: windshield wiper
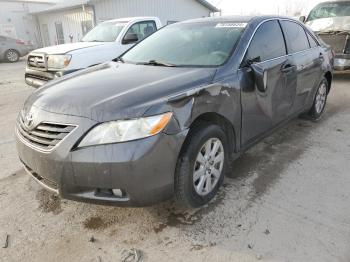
x=119, y=59
x=156, y=63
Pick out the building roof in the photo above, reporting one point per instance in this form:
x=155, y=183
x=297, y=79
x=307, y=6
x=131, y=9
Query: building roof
x=30, y=1
x=63, y=5
x=208, y=5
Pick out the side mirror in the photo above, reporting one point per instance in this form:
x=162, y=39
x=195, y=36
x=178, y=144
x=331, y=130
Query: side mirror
x=130, y=38
x=260, y=77
x=302, y=19
x=250, y=61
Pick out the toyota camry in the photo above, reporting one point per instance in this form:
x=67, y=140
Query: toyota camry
x=169, y=117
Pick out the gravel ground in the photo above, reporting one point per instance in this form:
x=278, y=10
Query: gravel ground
x=288, y=200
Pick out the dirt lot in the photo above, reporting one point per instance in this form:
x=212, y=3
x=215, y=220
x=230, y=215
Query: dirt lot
x=288, y=200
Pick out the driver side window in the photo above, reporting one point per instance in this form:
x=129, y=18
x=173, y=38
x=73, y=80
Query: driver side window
x=142, y=29
x=267, y=43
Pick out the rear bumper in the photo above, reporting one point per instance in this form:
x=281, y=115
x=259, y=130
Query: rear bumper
x=143, y=169
x=342, y=62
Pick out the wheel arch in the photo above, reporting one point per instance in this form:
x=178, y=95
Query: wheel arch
x=223, y=122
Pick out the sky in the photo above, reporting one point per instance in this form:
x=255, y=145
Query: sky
x=275, y=7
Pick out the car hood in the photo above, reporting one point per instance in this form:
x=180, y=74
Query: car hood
x=115, y=90
x=330, y=24
x=65, y=48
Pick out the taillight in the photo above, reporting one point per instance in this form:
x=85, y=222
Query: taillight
x=347, y=46
x=20, y=42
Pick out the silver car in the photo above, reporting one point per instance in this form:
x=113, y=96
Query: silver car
x=12, y=49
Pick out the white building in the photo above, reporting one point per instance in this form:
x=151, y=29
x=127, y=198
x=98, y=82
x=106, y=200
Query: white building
x=69, y=21
x=16, y=20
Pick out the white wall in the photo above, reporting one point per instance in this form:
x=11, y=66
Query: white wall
x=16, y=21
x=166, y=10
x=71, y=22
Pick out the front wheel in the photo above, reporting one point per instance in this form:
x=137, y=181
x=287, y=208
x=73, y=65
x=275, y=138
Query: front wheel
x=201, y=166
x=320, y=101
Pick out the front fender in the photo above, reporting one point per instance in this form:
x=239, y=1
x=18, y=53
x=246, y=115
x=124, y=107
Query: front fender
x=221, y=98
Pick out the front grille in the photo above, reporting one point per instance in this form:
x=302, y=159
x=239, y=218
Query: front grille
x=37, y=61
x=43, y=78
x=337, y=42
x=44, y=136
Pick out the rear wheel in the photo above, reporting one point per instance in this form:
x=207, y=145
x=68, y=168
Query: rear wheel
x=320, y=101
x=201, y=166
x=12, y=56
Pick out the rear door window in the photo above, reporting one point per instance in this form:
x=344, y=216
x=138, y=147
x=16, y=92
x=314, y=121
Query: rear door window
x=268, y=42
x=295, y=37
x=312, y=41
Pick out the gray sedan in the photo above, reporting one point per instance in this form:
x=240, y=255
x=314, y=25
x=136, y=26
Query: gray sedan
x=170, y=116
x=12, y=49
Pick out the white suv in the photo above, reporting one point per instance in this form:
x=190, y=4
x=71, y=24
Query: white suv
x=105, y=42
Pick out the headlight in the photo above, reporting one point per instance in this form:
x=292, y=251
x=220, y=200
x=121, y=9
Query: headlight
x=126, y=130
x=58, y=61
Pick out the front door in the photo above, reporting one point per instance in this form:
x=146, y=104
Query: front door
x=267, y=78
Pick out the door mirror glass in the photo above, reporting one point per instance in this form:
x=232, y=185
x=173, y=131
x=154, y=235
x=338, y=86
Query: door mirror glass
x=130, y=38
x=302, y=19
x=250, y=61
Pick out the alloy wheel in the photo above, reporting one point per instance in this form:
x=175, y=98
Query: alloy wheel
x=12, y=56
x=321, y=97
x=208, y=166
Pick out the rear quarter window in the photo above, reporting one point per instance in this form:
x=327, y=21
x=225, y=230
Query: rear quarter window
x=295, y=37
x=267, y=43
x=312, y=41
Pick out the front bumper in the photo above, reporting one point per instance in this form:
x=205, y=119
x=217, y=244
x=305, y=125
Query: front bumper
x=37, y=78
x=143, y=169
x=342, y=62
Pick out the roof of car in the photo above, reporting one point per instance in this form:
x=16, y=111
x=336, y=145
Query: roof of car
x=334, y=1
x=235, y=18
x=129, y=19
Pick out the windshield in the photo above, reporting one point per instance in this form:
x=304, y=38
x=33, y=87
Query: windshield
x=188, y=44
x=327, y=10
x=105, y=32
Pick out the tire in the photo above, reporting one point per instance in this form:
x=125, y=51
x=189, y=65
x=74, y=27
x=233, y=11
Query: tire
x=188, y=192
x=320, y=101
x=12, y=56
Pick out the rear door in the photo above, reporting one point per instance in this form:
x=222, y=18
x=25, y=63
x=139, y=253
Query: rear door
x=267, y=78
x=308, y=59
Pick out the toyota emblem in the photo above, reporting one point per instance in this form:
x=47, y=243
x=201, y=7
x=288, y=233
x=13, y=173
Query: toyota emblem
x=28, y=120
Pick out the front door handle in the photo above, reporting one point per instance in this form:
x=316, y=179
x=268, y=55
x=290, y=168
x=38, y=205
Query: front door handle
x=287, y=68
